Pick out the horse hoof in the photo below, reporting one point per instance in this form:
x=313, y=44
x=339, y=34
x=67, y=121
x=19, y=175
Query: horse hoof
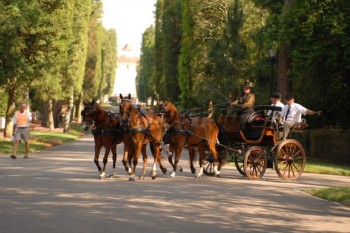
x=193, y=170
x=164, y=171
x=198, y=176
x=154, y=177
x=180, y=169
x=141, y=177
x=131, y=179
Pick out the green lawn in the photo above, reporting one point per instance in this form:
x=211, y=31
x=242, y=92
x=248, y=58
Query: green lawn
x=40, y=140
x=324, y=167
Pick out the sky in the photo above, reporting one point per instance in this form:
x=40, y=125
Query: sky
x=130, y=18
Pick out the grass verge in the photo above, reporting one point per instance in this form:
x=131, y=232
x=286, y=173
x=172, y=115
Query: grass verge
x=339, y=194
x=324, y=167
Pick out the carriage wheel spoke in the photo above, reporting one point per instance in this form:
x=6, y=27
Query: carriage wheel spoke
x=296, y=168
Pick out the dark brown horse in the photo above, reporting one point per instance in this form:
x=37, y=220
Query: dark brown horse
x=143, y=129
x=107, y=133
x=193, y=132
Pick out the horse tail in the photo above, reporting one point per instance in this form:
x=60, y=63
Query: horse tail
x=222, y=140
x=222, y=136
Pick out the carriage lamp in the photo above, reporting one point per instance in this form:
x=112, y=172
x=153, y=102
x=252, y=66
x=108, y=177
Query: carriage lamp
x=272, y=56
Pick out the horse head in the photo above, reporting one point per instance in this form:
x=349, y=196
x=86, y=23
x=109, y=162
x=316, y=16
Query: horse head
x=86, y=114
x=125, y=109
x=170, y=112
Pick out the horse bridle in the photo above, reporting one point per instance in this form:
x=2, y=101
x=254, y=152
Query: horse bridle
x=125, y=122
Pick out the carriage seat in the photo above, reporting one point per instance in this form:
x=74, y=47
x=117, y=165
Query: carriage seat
x=254, y=125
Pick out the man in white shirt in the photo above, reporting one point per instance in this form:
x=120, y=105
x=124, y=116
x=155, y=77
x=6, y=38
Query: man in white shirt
x=291, y=114
x=276, y=101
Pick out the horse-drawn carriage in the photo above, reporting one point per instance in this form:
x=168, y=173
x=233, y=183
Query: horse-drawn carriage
x=255, y=144
x=251, y=145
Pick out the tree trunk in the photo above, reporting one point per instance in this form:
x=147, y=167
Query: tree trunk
x=284, y=64
x=79, y=108
x=283, y=85
x=50, y=118
x=67, y=118
x=10, y=111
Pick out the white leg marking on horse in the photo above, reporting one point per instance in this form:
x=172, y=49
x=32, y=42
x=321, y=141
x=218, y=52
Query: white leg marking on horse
x=154, y=167
x=129, y=171
x=103, y=175
x=200, y=173
x=173, y=174
x=114, y=172
x=216, y=172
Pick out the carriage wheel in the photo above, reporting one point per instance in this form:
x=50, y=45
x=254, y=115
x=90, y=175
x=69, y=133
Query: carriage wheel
x=290, y=160
x=255, y=162
x=208, y=168
x=239, y=162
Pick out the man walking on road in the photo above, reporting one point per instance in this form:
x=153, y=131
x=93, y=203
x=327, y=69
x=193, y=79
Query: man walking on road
x=21, y=129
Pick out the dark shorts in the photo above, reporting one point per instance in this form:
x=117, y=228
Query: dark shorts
x=22, y=133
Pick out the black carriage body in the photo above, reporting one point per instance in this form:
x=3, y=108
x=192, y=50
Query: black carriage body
x=254, y=144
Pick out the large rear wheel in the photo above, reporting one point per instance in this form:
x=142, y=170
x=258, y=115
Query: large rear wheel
x=290, y=160
x=255, y=162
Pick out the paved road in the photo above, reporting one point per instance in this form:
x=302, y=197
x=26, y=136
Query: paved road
x=59, y=190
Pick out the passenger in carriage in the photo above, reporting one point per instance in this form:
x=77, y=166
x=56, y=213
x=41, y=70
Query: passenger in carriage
x=275, y=101
x=291, y=114
x=245, y=104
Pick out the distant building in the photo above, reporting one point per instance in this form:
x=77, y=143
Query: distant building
x=126, y=72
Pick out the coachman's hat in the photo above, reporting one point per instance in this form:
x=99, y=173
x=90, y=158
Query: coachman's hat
x=247, y=84
x=276, y=95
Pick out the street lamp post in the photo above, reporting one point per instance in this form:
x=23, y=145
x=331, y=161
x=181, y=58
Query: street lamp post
x=272, y=56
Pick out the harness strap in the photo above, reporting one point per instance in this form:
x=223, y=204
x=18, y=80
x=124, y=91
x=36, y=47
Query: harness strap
x=140, y=130
x=106, y=132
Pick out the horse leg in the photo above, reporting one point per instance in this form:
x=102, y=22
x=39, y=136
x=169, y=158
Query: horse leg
x=127, y=157
x=144, y=158
x=201, y=160
x=170, y=157
x=105, y=161
x=114, y=152
x=192, y=155
x=155, y=160
x=178, y=151
x=98, y=147
x=136, y=152
x=164, y=170
x=212, y=149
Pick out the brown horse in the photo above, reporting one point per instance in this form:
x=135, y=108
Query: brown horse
x=107, y=133
x=143, y=129
x=193, y=132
